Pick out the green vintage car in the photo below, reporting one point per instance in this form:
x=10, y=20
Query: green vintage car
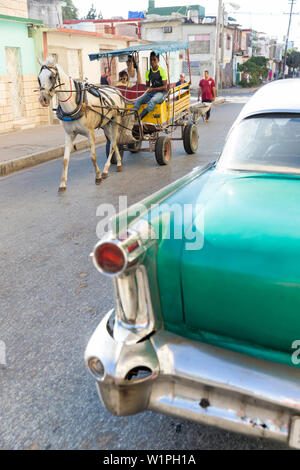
x=207, y=280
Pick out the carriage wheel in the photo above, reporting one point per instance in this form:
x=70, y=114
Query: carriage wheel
x=190, y=138
x=114, y=157
x=135, y=147
x=163, y=150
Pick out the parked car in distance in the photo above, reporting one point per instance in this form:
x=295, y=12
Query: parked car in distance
x=207, y=280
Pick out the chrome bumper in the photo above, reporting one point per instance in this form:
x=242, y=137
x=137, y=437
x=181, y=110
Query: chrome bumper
x=188, y=379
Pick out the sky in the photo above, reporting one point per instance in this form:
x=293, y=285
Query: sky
x=262, y=15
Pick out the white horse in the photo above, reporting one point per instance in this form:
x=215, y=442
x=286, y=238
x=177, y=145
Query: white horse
x=96, y=112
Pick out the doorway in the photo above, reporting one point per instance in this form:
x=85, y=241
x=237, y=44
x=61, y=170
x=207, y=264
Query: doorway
x=13, y=66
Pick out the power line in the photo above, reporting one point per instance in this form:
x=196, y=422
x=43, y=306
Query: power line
x=251, y=13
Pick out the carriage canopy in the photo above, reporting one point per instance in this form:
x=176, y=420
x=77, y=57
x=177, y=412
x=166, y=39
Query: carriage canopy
x=159, y=47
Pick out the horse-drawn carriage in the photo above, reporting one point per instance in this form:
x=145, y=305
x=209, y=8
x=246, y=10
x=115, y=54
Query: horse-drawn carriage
x=84, y=107
x=157, y=128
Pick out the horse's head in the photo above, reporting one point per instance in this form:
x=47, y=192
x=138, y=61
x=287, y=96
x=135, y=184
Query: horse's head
x=47, y=79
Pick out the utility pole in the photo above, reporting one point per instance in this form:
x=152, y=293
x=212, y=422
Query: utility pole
x=222, y=47
x=220, y=7
x=287, y=37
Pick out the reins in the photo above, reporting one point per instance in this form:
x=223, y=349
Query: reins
x=66, y=91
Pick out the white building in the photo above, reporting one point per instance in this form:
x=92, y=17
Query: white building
x=202, y=44
x=49, y=11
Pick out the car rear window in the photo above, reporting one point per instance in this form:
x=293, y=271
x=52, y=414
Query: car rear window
x=269, y=142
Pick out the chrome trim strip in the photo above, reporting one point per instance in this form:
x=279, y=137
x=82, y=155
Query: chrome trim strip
x=124, y=219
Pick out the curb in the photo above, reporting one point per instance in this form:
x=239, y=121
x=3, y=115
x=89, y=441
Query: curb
x=34, y=159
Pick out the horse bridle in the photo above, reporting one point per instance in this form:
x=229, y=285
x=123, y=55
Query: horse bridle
x=53, y=78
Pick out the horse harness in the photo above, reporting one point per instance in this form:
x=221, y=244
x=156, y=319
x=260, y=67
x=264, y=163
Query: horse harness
x=81, y=90
x=106, y=102
x=80, y=99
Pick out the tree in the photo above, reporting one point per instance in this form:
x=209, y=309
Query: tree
x=256, y=68
x=69, y=11
x=293, y=58
x=91, y=13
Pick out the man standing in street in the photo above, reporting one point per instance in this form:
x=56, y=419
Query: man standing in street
x=207, y=89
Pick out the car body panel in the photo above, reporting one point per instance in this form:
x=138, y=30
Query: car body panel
x=234, y=290
x=245, y=281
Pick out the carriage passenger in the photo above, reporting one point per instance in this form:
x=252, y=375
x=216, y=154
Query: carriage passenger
x=123, y=79
x=156, y=80
x=181, y=80
x=134, y=75
x=105, y=78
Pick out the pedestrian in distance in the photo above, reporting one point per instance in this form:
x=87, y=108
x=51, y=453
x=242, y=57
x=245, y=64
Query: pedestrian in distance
x=207, y=90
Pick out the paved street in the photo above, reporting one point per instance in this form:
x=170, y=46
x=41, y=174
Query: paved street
x=52, y=298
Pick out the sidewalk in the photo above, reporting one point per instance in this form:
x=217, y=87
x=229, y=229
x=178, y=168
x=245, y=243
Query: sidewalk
x=238, y=90
x=230, y=91
x=24, y=149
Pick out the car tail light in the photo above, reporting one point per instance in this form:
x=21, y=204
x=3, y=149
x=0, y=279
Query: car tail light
x=125, y=257
x=110, y=258
x=113, y=256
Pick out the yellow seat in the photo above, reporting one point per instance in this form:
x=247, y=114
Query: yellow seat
x=178, y=101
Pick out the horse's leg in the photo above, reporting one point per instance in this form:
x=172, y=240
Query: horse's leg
x=69, y=138
x=91, y=138
x=114, y=148
x=119, y=159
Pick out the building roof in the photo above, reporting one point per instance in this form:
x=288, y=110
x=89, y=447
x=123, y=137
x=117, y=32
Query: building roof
x=183, y=9
x=163, y=19
x=94, y=34
x=111, y=20
x=20, y=20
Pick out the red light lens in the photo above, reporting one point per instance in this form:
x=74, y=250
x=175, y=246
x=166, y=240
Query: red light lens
x=110, y=258
x=132, y=247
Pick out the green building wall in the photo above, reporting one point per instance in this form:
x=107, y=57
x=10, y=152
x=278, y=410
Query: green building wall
x=15, y=34
x=167, y=11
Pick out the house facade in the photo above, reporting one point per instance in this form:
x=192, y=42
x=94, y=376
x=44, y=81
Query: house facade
x=14, y=8
x=72, y=47
x=24, y=40
x=200, y=36
x=20, y=45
